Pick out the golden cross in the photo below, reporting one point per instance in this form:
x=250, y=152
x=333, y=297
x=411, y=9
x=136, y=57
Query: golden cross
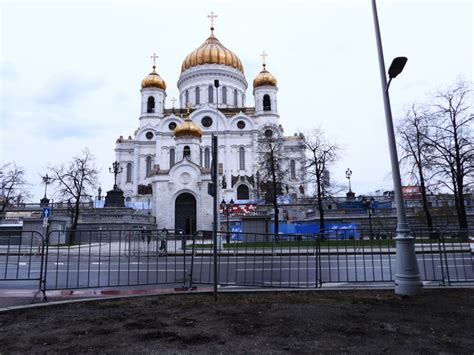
x=154, y=56
x=263, y=55
x=212, y=16
x=174, y=101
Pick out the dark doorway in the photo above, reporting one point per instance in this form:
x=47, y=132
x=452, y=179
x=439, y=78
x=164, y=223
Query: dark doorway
x=185, y=213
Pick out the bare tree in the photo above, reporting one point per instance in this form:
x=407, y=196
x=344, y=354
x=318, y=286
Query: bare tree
x=453, y=143
x=321, y=153
x=417, y=152
x=13, y=185
x=270, y=164
x=74, y=181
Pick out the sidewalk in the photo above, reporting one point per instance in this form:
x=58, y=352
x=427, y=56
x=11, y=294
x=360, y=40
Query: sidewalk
x=174, y=248
x=14, y=298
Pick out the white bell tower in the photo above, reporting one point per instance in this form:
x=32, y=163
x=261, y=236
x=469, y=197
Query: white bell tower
x=153, y=93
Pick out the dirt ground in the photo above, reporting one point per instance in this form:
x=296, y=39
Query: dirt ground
x=439, y=320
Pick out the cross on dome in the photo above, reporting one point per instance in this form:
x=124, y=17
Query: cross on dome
x=173, y=100
x=212, y=16
x=154, y=57
x=263, y=55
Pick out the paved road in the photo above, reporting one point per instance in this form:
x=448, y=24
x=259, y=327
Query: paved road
x=90, y=270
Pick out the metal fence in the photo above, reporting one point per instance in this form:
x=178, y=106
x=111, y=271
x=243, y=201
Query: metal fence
x=257, y=260
x=114, y=258
x=22, y=257
x=140, y=257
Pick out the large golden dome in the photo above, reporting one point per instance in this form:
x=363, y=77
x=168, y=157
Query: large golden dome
x=212, y=52
x=264, y=78
x=153, y=80
x=188, y=128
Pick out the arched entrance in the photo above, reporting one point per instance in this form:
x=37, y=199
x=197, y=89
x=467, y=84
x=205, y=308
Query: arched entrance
x=185, y=213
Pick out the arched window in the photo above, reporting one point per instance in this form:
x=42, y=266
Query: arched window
x=207, y=158
x=235, y=98
x=172, y=157
x=150, y=106
x=148, y=165
x=129, y=172
x=243, y=192
x=186, y=151
x=186, y=98
x=210, y=94
x=293, y=169
x=241, y=158
x=224, y=95
x=198, y=96
x=200, y=156
x=267, y=106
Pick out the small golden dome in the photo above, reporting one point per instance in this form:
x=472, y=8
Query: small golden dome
x=264, y=78
x=212, y=52
x=153, y=80
x=188, y=128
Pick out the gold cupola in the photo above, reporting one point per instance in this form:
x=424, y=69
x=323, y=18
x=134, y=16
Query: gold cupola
x=212, y=52
x=188, y=128
x=264, y=78
x=153, y=80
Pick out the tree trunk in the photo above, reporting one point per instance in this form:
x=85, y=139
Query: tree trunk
x=75, y=221
x=424, y=200
x=322, y=225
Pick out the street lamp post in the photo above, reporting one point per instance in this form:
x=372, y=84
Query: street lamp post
x=46, y=181
x=115, y=169
x=348, y=177
x=227, y=208
x=350, y=195
x=215, y=180
x=407, y=275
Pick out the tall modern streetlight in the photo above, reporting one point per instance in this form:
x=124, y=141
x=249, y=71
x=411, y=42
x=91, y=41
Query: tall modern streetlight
x=407, y=275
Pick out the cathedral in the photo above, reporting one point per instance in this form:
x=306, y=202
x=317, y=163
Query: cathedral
x=167, y=163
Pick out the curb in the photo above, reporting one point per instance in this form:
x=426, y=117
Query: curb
x=222, y=290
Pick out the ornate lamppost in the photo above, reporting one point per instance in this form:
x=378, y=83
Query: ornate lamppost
x=349, y=194
x=115, y=169
x=115, y=197
x=46, y=181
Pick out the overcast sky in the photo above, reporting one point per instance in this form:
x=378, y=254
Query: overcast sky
x=71, y=70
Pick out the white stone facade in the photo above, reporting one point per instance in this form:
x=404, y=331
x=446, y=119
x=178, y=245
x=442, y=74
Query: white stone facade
x=149, y=175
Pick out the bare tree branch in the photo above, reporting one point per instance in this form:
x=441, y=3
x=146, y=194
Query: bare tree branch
x=74, y=181
x=320, y=154
x=13, y=185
